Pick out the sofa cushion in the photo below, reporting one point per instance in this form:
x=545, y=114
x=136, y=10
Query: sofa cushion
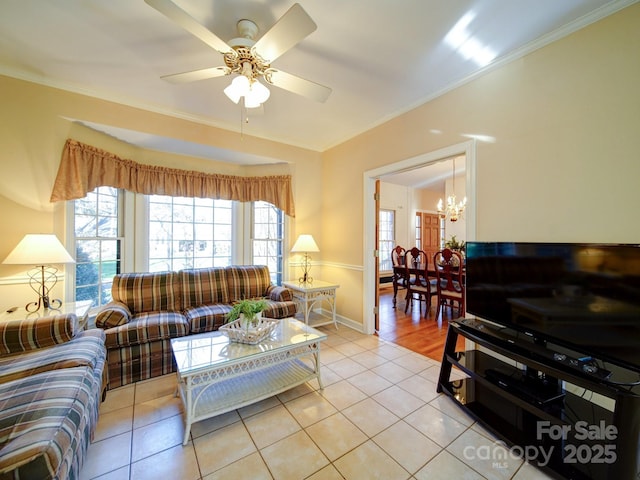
x=139, y=362
x=207, y=318
x=279, y=309
x=23, y=335
x=45, y=423
x=147, y=292
x=147, y=327
x=113, y=314
x=204, y=286
x=84, y=350
x=248, y=281
x=279, y=294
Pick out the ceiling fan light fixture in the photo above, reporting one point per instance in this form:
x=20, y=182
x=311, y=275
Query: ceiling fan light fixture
x=258, y=92
x=251, y=103
x=232, y=94
x=238, y=88
x=254, y=92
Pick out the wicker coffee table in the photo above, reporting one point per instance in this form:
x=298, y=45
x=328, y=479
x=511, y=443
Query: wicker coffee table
x=216, y=376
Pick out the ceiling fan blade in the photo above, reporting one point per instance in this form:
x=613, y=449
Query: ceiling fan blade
x=298, y=85
x=196, y=75
x=190, y=24
x=292, y=27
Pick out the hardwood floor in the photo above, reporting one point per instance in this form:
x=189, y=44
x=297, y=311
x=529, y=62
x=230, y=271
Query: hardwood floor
x=412, y=330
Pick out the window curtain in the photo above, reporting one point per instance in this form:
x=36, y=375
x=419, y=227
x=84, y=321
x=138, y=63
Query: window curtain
x=83, y=168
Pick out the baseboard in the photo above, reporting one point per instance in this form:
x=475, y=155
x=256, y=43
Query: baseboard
x=347, y=322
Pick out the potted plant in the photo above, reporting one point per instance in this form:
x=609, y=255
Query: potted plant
x=248, y=311
x=454, y=244
x=245, y=323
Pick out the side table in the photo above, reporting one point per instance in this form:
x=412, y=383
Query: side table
x=308, y=294
x=81, y=309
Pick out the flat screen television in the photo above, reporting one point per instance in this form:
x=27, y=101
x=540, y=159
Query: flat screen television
x=585, y=297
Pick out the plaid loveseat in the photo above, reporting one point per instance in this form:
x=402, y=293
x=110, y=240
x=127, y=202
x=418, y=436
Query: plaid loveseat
x=52, y=376
x=149, y=309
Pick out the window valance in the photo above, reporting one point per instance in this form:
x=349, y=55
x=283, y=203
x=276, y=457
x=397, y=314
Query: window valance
x=83, y=168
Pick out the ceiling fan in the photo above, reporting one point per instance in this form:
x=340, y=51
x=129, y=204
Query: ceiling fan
x=248, y=58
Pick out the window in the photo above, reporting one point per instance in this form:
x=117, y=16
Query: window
x=386, y=235
x=203, y=232
x=268, y=239
x=170, y=233
x=97, y=229
x=189, y=233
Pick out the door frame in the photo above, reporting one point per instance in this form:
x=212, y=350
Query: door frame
x=376, y=294
x=370, y=284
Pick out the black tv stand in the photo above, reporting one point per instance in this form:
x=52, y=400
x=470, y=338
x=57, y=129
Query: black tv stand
x=536, y=391
x=539, y=395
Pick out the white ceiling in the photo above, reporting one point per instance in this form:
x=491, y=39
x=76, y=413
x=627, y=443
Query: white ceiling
x=380, y=57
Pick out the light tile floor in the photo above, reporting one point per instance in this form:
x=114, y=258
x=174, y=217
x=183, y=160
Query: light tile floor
x=379, y=416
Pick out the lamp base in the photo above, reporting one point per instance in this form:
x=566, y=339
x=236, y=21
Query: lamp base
x=306, y=266
x=306, y=278
x=44, y=302
x=38, y=278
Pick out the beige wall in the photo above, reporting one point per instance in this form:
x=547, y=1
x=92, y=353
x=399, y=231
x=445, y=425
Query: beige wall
x=427, y=199
x=564, y=164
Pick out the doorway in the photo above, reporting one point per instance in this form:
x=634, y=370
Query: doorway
x=370, y=281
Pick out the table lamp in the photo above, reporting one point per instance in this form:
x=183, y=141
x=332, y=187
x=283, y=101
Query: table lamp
x=305, y=244
x=40, y=250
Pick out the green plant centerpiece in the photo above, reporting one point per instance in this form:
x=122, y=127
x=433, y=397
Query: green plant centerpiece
x=248, y=311
x=245, y=323
x=454, y=244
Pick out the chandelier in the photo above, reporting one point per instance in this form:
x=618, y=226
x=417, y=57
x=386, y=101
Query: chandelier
x=454, y=209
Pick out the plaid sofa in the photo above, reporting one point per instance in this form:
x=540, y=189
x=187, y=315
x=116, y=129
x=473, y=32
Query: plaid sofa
x=149, y=309
x=52, y=376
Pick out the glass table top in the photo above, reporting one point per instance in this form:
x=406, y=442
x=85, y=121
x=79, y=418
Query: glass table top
x=203, y=351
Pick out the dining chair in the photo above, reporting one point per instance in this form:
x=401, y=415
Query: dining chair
x=400, y=279
x=421, y=287
x=448, y=265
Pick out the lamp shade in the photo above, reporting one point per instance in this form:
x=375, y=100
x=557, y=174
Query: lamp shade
x=257, y=95
x=238, y=88
x=254, y=93
x=305, y=243
x=38, y=249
